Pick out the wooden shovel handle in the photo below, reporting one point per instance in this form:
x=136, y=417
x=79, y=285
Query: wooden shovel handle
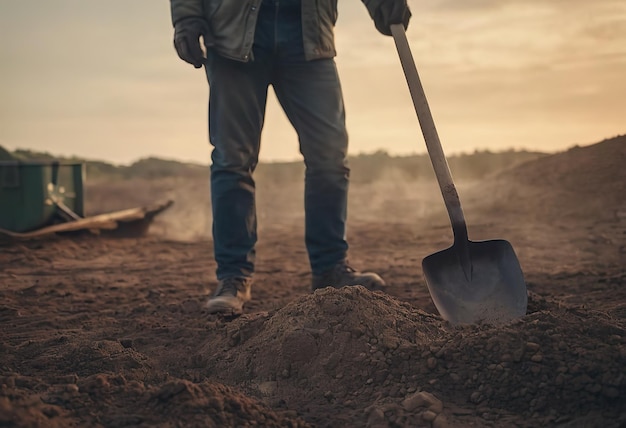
x=435, y=151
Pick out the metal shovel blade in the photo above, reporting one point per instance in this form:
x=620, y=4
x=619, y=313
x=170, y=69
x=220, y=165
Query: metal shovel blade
x=469, y=282
x=493, y=292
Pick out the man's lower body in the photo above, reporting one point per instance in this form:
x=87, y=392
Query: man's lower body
x=310, y=94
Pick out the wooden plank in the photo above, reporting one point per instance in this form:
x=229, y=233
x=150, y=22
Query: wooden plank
x=106, y=221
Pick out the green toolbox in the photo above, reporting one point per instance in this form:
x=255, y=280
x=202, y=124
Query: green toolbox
x=32, y=192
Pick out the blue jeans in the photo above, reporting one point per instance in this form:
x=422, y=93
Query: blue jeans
x=310, y=94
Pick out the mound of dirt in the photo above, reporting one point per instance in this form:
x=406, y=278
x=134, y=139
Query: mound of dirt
x=372, y=360
x=582, y=183
x=112, y=400
x=581, y=169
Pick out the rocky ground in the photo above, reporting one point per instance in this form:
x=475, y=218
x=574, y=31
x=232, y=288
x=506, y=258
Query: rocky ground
x=111, y=332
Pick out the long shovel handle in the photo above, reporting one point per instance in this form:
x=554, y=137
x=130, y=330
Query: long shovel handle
x=435, y=151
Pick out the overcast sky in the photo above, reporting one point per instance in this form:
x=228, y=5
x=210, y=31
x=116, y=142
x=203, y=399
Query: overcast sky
x=101, y=79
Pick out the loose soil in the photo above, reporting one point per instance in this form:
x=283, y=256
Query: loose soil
x=111, y=332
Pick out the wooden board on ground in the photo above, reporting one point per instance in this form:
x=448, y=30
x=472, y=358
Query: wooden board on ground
x=132, y=221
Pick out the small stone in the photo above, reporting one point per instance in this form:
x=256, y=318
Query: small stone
x=540, y=403
x=8, y=381
x=376, y=419
x=72, y=388
x=50, y=412
x=390, y=342
x=537, y=358
x=422, y=399
x=560, y=379
x=431, y=363
x=476, y=397
x=394, y=391
x=440, y=422
x=126, y=343
x=429, y=416
x=532, y=346
x=369, y=381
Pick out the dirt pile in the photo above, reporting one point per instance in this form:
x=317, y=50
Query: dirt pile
x=114, y=401
x=585, y=183
x=111, y=384
x=580, y=169
x=368, y=358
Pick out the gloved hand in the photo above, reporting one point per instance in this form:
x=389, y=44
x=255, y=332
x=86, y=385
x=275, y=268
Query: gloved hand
x=391, y=12
x=187, y=34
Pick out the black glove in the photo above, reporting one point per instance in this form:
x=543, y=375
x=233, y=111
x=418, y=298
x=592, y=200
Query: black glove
x=187, y=34
x=391, y=12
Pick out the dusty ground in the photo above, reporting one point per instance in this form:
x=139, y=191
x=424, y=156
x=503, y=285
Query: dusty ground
x=111, y=332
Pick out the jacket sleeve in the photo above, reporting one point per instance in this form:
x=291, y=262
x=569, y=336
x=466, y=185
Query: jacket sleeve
x=185, y=9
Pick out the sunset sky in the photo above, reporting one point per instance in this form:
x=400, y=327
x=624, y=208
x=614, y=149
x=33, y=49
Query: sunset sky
x=101, y=79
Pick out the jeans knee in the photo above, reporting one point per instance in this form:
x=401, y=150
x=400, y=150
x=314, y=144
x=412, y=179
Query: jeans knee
x=233, y=159
x=320, y=166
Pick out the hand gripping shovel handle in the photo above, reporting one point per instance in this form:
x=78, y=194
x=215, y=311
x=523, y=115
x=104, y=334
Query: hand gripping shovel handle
x=435, y=151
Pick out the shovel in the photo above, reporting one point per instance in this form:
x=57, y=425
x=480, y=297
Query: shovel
x=469, y=282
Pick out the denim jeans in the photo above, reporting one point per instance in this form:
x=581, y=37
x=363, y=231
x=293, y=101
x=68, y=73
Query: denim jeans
x=310, y=94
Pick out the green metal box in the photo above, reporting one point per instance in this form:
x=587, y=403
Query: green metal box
x=30, y=192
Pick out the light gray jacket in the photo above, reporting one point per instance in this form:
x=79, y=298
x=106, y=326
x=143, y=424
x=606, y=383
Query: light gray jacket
x=232, y=23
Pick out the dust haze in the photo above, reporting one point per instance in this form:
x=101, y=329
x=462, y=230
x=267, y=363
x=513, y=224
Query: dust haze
x=383, y=188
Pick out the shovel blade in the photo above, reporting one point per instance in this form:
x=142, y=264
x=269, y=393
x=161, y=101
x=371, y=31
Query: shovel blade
x=494, y=292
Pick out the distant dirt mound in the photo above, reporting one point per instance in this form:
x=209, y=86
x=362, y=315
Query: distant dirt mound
x=580, y=169
x=367, y=358
x=584, y=182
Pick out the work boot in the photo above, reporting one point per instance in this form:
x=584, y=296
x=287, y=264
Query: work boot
x=343, y=275
x=230, y=296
